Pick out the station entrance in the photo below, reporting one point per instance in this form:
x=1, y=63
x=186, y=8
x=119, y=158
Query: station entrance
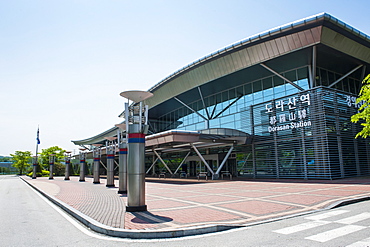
x=207, y=153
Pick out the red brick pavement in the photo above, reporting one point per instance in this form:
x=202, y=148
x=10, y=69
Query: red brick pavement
x=174, y=203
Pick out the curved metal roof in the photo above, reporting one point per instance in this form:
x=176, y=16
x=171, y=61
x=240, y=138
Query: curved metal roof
x=322, y=28
x=286, y=39
x=264, y=34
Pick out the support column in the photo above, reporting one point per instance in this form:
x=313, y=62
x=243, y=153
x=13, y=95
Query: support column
x=203, y=160
x=34, y=167
x=136, y=118
x=122, y=185
x=82, y=165
x=217, y=174
x=96, y=172
x=136, y=170
x=51, y=165
x=67, y=157
x=111, y=150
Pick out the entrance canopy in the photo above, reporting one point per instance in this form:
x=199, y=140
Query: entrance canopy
x=178, y=140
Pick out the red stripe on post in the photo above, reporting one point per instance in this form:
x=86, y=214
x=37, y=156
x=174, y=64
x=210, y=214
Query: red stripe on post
x=136, y=135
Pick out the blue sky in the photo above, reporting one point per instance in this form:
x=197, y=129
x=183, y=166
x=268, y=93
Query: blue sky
x=64, y=63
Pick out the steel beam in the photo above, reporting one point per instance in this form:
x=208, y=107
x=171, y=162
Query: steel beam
x=201, y=157
x=204, y=104
x=159, y=157
x=182, y=162
x=224, y=160
x=282, y=77
x=353, y=70
x=155, y=161
x=191, y=109
x=227, y=107
x=101, y=162
x=314, y=59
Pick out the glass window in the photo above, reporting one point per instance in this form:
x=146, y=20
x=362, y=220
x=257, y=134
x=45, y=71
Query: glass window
x=239, y=91
x=248, y=88
x=279, y=91
x=303, y=83
x=225, y=96
x=278, y=81
x=324, y=77
x=291, y=75
x=267, y=83
x=331, y=77
x=302, y=73
x=232, y=94
x=258, y=97
x=257, y=86
x=214, y=123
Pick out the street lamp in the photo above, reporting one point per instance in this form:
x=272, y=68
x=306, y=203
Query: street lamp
x=136, y=118
x=110, y=150
x=122, y=145
x=67, y=158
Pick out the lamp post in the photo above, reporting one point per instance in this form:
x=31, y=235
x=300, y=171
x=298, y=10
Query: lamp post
x=136, y=117
x=34, y=161
x=82, y=164
x=122, y=145
x=51, y=165
x=67, y=158
x=97, y=154
x=111, y=150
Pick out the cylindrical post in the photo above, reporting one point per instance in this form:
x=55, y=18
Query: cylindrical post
x=136, y=118
x=122, y=187
x=68, y=165
x=82, y=166
x=96, y=165
x=34, y=167
x=110, y=165
x=136, y=170
x=51, y=165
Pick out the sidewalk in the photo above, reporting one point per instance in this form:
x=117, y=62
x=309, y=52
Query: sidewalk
x=178, y=204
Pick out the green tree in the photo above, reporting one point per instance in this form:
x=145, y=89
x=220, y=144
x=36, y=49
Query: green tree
x=363, y=114
x=59, y=157
x=21, y=160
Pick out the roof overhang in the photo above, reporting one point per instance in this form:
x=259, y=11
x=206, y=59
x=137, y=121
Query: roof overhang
x=177, y=141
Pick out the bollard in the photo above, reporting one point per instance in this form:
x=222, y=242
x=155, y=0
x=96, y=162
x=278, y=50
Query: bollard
x=82, y=165
x=67, y=158
x=122, y=187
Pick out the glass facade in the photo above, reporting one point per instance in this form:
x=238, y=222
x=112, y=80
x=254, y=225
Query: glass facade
x=297, y=134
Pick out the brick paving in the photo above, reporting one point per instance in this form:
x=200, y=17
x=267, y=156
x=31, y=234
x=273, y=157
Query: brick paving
x=178, y=203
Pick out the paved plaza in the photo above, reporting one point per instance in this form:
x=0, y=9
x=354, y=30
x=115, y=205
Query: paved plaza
x=182, y=203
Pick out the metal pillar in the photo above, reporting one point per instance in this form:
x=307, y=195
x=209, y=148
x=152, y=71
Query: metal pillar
x=67, y=157
x=122, y=181
x=136, y=118
x=51, y=165
x=110, y=170
x=136, y=170
x=111, y=150
x=97, y=153
x=34, y=167
x=217, y=174
x=203, y=160
x=82, y=165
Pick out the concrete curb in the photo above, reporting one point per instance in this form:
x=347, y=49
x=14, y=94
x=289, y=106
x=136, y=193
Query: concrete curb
x=133, y=234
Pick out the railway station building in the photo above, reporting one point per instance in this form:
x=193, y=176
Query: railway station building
x=275, y=105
